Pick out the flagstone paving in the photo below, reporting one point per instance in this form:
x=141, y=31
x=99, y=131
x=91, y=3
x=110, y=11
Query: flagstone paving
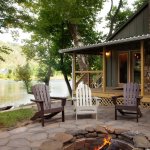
x=30, y=137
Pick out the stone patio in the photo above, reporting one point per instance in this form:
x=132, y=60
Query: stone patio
x=30, y=137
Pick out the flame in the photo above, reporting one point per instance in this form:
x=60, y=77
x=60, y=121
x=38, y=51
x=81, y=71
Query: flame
x=106, y=140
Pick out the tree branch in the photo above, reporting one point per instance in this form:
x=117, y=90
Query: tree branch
x=113, y=18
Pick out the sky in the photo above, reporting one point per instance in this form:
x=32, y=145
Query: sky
x=7, y=37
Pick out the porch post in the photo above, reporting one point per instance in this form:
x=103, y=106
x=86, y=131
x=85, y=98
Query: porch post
x=142, y=68
x=104, y=70
x=73, y=72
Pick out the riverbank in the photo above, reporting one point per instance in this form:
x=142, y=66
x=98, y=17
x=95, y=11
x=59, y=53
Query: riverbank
x=14, y=93
x=15, y=118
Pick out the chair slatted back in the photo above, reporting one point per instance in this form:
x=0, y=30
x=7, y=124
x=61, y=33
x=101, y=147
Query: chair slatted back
x=41, y=93
x=83, y=95
x=130, y=93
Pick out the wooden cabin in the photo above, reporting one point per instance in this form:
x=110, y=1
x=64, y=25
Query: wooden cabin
x=126, y=58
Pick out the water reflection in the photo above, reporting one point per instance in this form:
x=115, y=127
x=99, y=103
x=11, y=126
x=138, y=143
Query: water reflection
x=14, y=93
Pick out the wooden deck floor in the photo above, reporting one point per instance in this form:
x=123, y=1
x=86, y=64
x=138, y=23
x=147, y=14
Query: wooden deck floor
x=114, y=92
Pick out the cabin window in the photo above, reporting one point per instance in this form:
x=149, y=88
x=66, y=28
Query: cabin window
x=123, y=67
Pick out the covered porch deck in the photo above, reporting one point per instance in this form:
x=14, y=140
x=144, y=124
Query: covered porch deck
x=109, y=81
x=114, y=91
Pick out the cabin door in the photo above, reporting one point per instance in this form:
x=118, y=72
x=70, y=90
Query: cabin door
x=136, y=67
x=123, y=67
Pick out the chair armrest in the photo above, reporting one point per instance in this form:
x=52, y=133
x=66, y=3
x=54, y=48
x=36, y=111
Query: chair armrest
x=36, y=101
x=140, y=97
x=63, y=100
x=114, y=98
x=139, y=100
x=40, y=104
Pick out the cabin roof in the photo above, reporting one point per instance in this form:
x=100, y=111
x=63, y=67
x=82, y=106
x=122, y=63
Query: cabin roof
x=97, y=48
x=128, y=21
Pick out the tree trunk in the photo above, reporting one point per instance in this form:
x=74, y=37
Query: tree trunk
x=65, y=75
x=82, y=59
x=62, y=62
x=47, y=77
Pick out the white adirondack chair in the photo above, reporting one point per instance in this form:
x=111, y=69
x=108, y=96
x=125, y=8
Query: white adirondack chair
x=85, y=103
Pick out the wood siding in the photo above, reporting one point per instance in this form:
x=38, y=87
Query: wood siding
x=138, y=25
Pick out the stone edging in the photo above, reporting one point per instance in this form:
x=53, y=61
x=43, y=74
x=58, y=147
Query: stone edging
x=138, y=140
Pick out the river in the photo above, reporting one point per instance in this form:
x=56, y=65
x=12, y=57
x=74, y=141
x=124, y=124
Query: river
x=14, y=92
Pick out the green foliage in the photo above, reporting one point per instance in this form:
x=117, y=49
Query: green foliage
x=11, y=118
x=39, y=50
x=13, y=58
x=23, y=73
x=42, y=71
x=138, y=3
x=5, y=50
x=51, y=31
x=120, y=18
x=95, y=62
x=12, y=15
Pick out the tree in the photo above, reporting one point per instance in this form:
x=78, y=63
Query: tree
x=23, y=73
x=56, y=21
x=117, y=16
x=39, y=49
x=71, y=14
x=5, y=50
x=138, y=3
x=11, y=14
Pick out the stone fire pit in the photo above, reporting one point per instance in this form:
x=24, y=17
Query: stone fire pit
x=82, y=139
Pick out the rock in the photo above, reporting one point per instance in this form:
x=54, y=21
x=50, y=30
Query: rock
x=3, y=141
x=18, y=130
x=77, y=132
x=130, y=134
x=89, y=129
x=72, y=132
x=140, y=141
x=110, y=130
x=63, y=137
x=100, y=129
x=82, y=132
x=4, y=135
x=37, y=136
x=91, y=135
x=101, y=135
x=119, y=131
x=53, y=145
x=79, y=136
x=18, y=143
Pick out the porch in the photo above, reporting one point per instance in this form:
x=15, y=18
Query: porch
x=123, y=60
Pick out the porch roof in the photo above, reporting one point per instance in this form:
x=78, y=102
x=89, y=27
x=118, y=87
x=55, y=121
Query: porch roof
x=131, y=42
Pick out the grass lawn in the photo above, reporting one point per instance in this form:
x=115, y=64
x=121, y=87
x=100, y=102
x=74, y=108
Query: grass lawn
x=12, y=118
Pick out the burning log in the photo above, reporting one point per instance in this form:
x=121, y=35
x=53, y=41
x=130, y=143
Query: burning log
x=114, y=146
x=106, y=143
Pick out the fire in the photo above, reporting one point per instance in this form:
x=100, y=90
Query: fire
x=106, y=141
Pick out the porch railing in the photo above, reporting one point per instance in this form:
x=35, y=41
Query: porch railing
x=93, y=79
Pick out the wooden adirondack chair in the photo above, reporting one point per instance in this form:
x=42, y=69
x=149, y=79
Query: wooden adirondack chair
x=44, y=103
x=131, y=101
x=84, y=101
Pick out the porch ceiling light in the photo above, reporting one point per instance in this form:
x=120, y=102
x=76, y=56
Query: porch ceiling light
x=107, y=53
